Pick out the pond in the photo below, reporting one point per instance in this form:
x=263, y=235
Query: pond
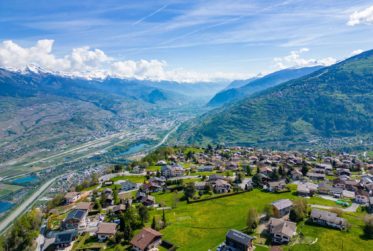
x=26, y=180
x=133, y=149
x=5, y=206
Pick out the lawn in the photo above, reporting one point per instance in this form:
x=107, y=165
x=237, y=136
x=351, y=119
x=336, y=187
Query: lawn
x=133, y=178
x=6, y=189
x=202, y=226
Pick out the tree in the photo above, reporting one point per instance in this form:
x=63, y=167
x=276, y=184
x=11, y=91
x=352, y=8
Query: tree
x=143, y=213
x=248, y=170
x=154, y=224
x=275, y=175
x=368, y=226
x=252, y=220
x=118, y=168
x=299, y=210
x=56, y=201
x=164, y=219
x=189, y=190
x=115, y=196
x=127, y=231
x=268, y=211
x=304, y=168
x=239, y=177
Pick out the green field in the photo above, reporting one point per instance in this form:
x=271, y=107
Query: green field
x=202, y=226
x=6, y=189
x=135, y=179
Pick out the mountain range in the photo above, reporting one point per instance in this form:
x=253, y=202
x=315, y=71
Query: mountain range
x=238, y=90
x=332, y=104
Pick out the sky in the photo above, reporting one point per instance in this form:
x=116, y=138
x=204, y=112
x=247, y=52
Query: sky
x=185, y=41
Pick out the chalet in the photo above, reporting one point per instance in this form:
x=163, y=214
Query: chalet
x=306, y=189
x=326, y=218
x=71, y=197
x=316, y=176
x=265, y=170
x=351, y=185
x=238, y=241
x=147, y=239
x=148, y=200
x=172, y=171
x=281, y=230
x=200, y=185
x=296, y=174
x=118, y=209
x=343, y=171
x=87, y=206
x=362, y=198
x=282, y=207
x=76, y=219
x=214, y=177
x=276, y=186
x=221, y=186
x=348, y=194
x=128, y=186
x=106, y=230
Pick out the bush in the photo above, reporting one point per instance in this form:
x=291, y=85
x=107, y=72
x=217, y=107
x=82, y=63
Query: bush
x=368, y=226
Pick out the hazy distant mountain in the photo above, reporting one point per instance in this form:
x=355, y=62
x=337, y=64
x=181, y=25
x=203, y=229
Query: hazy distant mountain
x=259, y=84
x=333, y=102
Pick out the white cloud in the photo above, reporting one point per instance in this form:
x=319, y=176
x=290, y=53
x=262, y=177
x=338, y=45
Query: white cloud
x=294, y=59
x=361, y=17
x=356, y=52
x=94, y=63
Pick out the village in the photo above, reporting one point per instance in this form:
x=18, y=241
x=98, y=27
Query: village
x=217, y=198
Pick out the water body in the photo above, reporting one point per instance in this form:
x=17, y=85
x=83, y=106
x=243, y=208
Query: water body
x=5, y=206
x=133, y=149
x=26, y=180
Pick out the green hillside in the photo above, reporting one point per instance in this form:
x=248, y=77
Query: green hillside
x=334, y=103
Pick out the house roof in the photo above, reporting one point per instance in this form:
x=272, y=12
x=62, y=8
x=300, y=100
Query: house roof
x=283, y=203
x=107, y=228
x=283, y=227
x=71, y=195
x=76, y=214
x=84, y=205
x=65, y=237
x=327, y=216
x=145, y=238
x=239, y=237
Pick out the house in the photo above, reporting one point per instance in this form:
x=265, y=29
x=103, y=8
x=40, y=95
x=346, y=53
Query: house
x=296, y=174
x=118, y=209
x=148, y=200
x=306, y=189
x=265, y=170
x=147, y=239
x=316, y=176
x=76, y=219
x=106, y=230
x=71, y=197
x=281, y=230
x=282, y=207
x=238, y=241
x=205, y=168
x=221, y=186
x=161, y=163
x=276, y=186
x=64, y=239
x=348, y=194
x=200, y=185
x=128, y=185
x=362, y=198
x=172, y=171
x=326, y=218
x=343, y=171
x=370, y=205
x=87, y=206
x=108, y=198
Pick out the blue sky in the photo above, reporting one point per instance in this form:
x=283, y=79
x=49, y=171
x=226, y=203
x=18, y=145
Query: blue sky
x=229, y=39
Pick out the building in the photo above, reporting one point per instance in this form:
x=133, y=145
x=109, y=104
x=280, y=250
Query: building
x=71, y=197
x=282, y=207
x=63, y=239
x=76, y=219
x=326, y=218
x=106, y=230
x=222, y=186
x=172, y=171
x=146, y=240
x=281, y=230
x=306, y=189
x=84, y=206
x=276, y=186
x=238, y=241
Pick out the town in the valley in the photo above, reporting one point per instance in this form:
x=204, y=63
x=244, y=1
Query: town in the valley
x=216, y=198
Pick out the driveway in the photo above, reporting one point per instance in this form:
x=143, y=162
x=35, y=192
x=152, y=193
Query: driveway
x=351, y=208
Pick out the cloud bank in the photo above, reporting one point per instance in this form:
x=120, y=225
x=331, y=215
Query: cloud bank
x=295, y=59
x=94, y=63
x=361, y=17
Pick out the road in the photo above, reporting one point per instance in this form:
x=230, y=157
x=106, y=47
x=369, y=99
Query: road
x=351, y=208
x=24, y=206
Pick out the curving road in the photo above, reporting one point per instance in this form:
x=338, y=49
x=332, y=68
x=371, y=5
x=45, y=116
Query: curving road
x=24, y=206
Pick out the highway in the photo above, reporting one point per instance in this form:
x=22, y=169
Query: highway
x=24, y=206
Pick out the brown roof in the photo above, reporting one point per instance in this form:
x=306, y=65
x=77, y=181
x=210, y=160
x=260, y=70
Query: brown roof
x=145, y=238
x=279, y=226
x=71, y=195
x=107, y=228
x=84, y=205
